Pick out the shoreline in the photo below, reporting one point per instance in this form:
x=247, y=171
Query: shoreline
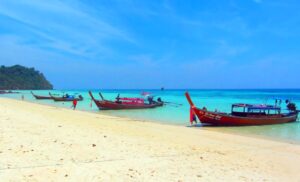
x=214, y=129
x=46, y=142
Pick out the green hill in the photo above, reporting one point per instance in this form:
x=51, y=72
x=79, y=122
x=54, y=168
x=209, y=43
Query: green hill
x=21, y=78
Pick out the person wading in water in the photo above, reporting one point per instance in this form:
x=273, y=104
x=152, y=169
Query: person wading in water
x=74, y=104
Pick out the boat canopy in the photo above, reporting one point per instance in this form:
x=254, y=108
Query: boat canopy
x=253, y=107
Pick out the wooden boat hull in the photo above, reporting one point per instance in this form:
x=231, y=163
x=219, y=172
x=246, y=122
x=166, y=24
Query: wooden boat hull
x=41, y=97
x=63, y=99
x=224, y=119
x=110, y=105
x=221, y=119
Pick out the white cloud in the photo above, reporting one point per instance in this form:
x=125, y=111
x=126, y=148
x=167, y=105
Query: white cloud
x=60, y=26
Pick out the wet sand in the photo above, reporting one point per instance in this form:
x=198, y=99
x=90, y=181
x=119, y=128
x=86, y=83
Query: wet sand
x=46, y=143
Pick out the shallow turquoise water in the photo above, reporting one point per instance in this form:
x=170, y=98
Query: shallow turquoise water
x=170, y=114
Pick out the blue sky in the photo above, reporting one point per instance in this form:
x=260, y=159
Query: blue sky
x=154, y=43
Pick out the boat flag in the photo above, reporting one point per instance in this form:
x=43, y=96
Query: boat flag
x=192, y=116
x=91, y=104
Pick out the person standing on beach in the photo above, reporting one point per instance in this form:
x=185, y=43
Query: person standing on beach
x=74, y=104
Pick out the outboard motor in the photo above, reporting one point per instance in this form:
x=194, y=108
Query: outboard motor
x=291, y=107
x=159, y=99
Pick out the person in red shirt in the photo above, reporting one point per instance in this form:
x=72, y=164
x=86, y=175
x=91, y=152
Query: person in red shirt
x=74, y=104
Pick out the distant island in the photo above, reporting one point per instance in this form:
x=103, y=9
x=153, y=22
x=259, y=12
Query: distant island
x=21, y=78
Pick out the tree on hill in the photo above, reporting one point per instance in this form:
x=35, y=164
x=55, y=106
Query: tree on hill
x=21, y=78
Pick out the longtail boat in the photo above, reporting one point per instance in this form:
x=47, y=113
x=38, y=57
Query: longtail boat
x=8, y=92
x=244, y=114
x=65, y=98
x=41, y=97
x=124, y=103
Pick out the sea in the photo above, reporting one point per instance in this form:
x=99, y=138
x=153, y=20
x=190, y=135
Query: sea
x=176, y=112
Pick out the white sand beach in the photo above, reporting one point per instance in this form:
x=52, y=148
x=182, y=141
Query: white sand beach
x=46, y=143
